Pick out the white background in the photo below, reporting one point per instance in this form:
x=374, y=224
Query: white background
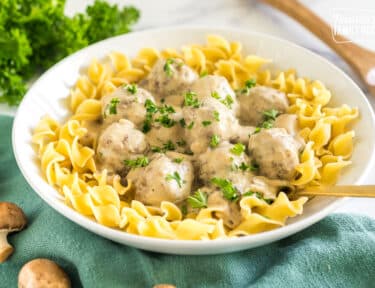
x=249, y=15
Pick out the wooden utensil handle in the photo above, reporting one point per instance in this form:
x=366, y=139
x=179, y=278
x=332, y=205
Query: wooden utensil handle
x=349, y=51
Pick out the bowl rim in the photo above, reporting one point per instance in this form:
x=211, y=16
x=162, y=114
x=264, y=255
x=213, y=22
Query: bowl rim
x=117, y=234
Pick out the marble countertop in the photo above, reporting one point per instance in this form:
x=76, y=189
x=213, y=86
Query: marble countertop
x=249, y=15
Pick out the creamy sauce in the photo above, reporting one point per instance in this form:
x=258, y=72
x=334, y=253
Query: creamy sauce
x=189, y=141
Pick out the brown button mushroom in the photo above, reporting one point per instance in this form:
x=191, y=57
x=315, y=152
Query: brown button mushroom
x=42, y=273
x=12, y=219
x=164, y=286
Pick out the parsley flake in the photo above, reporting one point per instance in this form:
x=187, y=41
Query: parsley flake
x=181, y=143
x=198, y=199
x=237, y=149
x=178, y=160
x=112, y=108
x=203, y=74
x=216, y=116
x=150, y=106
x=257, y=195
x=176, y=177
x=215, y=95
x=228, y=101
x=269, y=117
x=165, y=121
x=254, y=167
x=169, y=146
x=214, y=141
x=191, y=125
x=131, y=88
x=168, y=67
x=226, y=187
x=206, y=123
x=191, y=99
x=136, y=163
x=182, y=122
x=248, y=85
x=270, y=114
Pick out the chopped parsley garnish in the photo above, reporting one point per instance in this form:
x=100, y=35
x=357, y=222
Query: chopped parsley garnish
x=184, y=209
x=191, y=99
x=167, y=67
x=198, y=199
x=131, y=88
x=147, y=123
x=203, y=74
x=254, y=167
x=226, y=187
x=176, y=177
x=214, y=141
x=155, y=149
x=244, y=166
x=269, y=117
x=169, y=146
x=215, y=95
x=191, y=125
x=182, y=122
x=178, y=160
x=228, y=101
x=150, y=106
x=257, y=195
x=217, y=116
x=181, y=143
x=267, y=124
x=206, y=123
x=270, y=114
x=248, y=85
x=237, y=149
x=166, y=109
x=165, y=121
x=136, y=163
x=112, y=108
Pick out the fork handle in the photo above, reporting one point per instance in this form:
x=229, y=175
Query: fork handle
x=339, y=191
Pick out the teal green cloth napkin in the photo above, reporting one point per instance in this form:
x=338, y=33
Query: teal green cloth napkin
x=337, y=252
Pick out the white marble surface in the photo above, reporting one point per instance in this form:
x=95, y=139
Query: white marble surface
x=249, y=15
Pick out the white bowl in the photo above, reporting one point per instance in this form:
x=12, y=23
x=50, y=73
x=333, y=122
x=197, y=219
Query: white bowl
x=48, y=93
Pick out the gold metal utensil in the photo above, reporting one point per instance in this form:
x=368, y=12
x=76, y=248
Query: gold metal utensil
x=339, y=191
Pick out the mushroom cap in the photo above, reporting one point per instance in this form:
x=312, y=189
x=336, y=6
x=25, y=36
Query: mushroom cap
x=164, y=286
x=44, y=273
x=12, y=217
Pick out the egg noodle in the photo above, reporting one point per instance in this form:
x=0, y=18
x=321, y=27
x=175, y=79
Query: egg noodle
x=70, y=167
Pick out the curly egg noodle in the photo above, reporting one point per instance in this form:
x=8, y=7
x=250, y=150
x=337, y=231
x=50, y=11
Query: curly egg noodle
x=70, y=167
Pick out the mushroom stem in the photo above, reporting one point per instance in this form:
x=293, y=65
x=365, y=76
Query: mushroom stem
x=5, y=248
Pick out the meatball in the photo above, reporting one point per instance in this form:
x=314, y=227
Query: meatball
x=126, y=102
x=258, y=100
x=210, y=119
x=221, y=162
x=276, y=153
x=163, y=179
x=168, y=76
x=118, y=142
x=216, y=87
x=228, y=211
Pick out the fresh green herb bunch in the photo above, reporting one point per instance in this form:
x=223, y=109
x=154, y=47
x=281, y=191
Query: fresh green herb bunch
x=36, y=34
